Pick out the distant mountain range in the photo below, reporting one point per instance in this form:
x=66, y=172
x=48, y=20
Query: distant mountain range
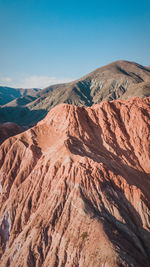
x=8, y=94
x=120, y=79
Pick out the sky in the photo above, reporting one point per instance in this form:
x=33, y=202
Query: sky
x=44, y=42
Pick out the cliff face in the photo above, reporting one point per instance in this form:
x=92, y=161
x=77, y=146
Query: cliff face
x=75, y=188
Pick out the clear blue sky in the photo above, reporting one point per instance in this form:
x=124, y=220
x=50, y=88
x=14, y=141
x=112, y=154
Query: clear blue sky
x=43, y=41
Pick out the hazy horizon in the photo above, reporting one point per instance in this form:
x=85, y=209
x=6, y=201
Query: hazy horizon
x=44, y=43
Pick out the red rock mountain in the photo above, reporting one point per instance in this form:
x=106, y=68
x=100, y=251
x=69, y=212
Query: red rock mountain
x=75, y=188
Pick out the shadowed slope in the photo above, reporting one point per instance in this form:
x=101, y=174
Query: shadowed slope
x=9, y=129
x=75, y=188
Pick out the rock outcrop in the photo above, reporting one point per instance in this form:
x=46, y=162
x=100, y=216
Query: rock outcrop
x=75, y=188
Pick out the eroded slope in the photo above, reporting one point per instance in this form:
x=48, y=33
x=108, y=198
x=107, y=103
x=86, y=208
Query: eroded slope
x=75, y=188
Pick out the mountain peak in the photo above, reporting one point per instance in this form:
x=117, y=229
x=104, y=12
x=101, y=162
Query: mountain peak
x=120, y=79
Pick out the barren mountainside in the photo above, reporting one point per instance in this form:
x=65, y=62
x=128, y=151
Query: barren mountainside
x=120, y=79
x=74, y=189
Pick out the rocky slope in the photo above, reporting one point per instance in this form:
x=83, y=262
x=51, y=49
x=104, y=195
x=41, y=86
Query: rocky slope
x=140, y=90
x=121, y=79
x=75, y=188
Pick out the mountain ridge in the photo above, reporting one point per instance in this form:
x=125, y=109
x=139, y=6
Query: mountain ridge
x=120, y=79
x=75, y=188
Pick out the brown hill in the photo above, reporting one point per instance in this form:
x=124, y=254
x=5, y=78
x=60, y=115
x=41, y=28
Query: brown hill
x=75, y=188
x=120, y=79
x=140, y=90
